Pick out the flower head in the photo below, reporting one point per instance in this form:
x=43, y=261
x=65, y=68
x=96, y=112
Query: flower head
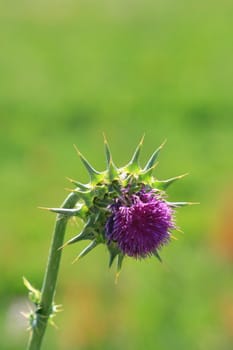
x=139, y=223
x=124, y=208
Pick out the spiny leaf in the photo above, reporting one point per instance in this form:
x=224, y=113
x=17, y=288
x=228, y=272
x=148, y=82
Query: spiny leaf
x=85, y=234
x=111, y=168
x=86, y=196
x=134, y=164
x=85, y=251
x=84, y=187
x=82, y=236
x=145, y=175
x=154, y=156
x=66, y=212
x=94, y=174
x=163, y=184
x=107, y=151
x=112, y=172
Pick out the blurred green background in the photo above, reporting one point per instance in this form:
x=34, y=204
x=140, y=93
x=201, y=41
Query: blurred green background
x=70, y=70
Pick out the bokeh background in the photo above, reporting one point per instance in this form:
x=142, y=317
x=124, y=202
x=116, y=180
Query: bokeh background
x=70, y=70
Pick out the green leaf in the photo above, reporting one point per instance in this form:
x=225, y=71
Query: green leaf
x=154, y=157
x=95, y=175
x=133, y=165
x=86, y=196
x=107, y=151
x=87, y=250
x=163, y=184
x=83, y=187
x=82, y=236
x=67, y=212
x=146, y=175
x=86, y=234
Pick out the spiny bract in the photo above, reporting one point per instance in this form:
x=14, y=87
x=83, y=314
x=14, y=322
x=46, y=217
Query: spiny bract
x=124, y=208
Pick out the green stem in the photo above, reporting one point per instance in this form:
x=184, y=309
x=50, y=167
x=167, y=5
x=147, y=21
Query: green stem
x=50, y=277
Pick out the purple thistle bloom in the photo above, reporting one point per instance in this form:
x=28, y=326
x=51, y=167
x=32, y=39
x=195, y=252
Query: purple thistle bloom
x=124, y=208
x=139, y=223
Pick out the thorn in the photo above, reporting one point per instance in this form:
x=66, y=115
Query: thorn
x=117, y=277
x=44, y=208
x=77, y=150
x=63, y=245
x=64, y=211
x=142, y=139
x=69, y=189
x=104, y=136
x=179, y=230
x=52, y=323
x=69, y=179
x=76, y=259
x=58, y=308
x=163, y=184
x=183, y=175
x=181, y=204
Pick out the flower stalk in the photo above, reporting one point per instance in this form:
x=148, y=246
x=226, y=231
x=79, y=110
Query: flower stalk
x=44, y=309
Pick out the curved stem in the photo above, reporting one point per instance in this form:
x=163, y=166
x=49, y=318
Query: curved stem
x=50, y=277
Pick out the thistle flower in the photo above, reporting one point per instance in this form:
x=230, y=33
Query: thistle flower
x=124, y=208
x=139, y=223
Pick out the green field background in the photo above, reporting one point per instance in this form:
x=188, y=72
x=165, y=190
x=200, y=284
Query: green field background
x=71, y=70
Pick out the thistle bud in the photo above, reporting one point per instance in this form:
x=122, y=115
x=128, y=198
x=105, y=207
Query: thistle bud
x=124, y=208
